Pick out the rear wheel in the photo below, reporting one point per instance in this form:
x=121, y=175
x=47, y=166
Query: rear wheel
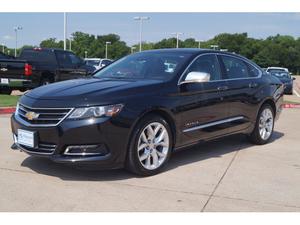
x=264, y=126
x=5, y=90
x=45, y=81
x=151, y=146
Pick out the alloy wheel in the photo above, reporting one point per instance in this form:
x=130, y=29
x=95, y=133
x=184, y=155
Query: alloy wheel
x=266, y=123
x=153, y=146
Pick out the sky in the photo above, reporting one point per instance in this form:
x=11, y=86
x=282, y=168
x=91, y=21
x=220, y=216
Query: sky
x=201, y=26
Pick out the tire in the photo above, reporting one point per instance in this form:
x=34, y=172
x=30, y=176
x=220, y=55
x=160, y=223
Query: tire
x=154, y=152
x=45, y=81
x=5, y=90
x=264, y=126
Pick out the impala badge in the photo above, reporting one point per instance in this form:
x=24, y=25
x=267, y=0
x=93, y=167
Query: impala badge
x=3, y=69
x=32, y=115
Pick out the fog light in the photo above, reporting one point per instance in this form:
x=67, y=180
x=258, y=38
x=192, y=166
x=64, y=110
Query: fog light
x=86, y=150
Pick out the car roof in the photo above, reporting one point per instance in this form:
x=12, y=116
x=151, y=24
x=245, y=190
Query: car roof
x=195, y=51
x=46, y=49
x=278, y=68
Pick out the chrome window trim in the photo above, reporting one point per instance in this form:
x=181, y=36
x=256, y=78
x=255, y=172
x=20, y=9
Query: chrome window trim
x=221, y=54
x=18, y=118
x=213, y=124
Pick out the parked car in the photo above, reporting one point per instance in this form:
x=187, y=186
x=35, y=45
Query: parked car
x=4, y=56
x=136, y=112
x=40, y=66
x=277, y=69
x=286, y=79
x=97, y=62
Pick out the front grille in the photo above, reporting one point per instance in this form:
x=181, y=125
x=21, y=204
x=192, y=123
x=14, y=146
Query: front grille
x=43, y=149
x=46, y=116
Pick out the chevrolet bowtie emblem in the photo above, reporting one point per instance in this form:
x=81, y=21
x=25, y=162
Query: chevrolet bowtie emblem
x=3, y=69
x=31, y=115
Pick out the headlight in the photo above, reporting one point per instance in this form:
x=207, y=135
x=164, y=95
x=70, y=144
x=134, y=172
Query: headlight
x=17, y=109
x=96, y=111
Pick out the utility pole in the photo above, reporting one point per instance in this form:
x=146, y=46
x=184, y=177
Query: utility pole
x=16, y=33
x=106, y=44
x=199, y=43
x=65, y=31
x=177, y=38
x=141, y=18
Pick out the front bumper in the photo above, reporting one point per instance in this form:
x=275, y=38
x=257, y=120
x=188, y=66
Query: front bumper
x=101, y=131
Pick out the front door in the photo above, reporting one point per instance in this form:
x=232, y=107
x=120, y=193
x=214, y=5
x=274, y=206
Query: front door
x=205, y=104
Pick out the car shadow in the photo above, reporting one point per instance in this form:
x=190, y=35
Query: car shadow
x=203, y=151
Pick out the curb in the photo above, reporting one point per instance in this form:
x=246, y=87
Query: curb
x=291, y=106
x=7, y=110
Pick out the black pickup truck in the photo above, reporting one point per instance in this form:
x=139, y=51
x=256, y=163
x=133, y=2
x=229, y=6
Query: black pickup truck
x=40, y=66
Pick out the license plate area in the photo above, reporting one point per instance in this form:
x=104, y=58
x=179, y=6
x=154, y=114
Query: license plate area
x=4, y=81
x=27, y=138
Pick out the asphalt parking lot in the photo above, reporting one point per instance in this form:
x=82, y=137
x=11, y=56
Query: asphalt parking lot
x=224, y=175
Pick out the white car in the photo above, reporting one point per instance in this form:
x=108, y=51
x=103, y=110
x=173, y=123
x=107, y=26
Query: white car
x=277, y=69
x=97, y=62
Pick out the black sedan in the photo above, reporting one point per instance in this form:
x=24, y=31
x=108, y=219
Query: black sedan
x=135, y=112
x=286, y=79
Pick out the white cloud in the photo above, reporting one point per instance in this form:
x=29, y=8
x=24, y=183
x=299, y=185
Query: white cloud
x=8, y=37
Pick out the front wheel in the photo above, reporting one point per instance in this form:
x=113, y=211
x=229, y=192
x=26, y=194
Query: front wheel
x=264, y=126
x=151, y=146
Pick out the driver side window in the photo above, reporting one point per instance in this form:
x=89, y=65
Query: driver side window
x=206, y=64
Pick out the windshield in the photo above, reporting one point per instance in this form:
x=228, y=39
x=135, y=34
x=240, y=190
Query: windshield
x=281, y=74
x=92, y=62
x=145, y=65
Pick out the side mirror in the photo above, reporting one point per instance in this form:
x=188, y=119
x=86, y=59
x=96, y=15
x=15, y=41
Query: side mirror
x=196, y=77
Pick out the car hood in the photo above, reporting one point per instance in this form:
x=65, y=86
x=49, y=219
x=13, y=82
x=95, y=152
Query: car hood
x=92, y=89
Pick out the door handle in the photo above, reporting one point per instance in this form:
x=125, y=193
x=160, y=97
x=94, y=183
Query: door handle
x=222, y=88
x=253, y=85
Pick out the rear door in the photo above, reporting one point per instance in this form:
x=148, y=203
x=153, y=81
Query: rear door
x=70, y=66
x=243, y=81
x=206, y=107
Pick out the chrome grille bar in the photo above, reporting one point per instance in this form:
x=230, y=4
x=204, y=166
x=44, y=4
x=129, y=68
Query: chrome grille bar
x=46, y=116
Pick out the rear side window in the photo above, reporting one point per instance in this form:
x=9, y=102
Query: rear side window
x=39, y=56
x=207, y=64
x=253, y=71
x=235, y=68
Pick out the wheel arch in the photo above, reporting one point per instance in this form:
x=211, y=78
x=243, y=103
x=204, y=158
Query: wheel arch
x=159, y=112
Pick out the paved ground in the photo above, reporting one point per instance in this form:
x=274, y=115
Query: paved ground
x=224, y=175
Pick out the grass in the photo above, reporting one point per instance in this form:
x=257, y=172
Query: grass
x=8, y=100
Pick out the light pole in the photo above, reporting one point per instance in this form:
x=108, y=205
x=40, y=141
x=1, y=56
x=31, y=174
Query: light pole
x=71, y=43
x=214, y=47
x=106, y=44
x=65, y=31
x=132, y=49
x=199, y=43
x=16, y=32
x=85, y=54
x=141, y=18
x=177, y=38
